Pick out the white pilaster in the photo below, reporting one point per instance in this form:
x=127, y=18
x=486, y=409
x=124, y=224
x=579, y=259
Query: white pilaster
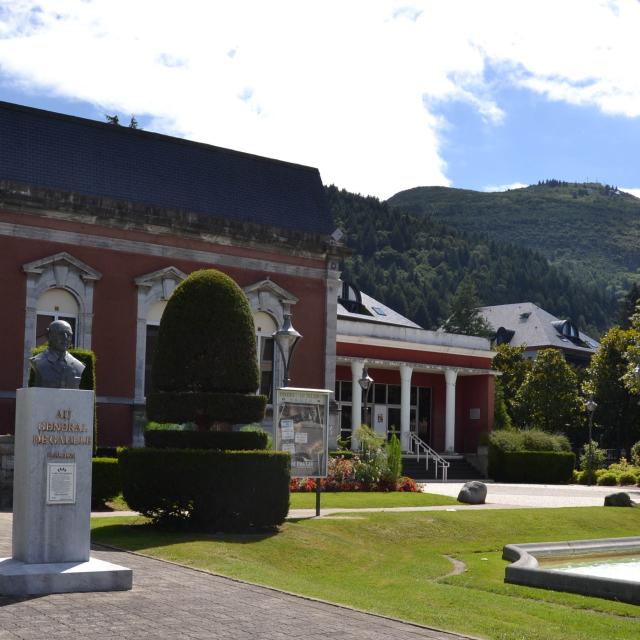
x=357, y=367
x=450, y=376
x=405, y=405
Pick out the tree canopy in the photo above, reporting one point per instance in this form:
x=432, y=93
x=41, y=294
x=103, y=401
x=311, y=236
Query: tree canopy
x=549, y=397
x=617, y=416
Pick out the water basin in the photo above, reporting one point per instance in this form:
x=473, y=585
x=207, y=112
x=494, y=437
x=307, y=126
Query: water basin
x=614, y=566
x=608, y=568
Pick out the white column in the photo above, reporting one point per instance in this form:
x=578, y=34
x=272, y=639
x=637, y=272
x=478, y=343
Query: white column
x=356, y=401
x=450, y=376
x=405, y=405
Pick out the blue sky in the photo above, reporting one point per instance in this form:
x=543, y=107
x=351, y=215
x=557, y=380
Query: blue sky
x=380, y=95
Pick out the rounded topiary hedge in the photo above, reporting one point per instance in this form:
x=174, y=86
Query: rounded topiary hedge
x=205, y=368
x=207, y=490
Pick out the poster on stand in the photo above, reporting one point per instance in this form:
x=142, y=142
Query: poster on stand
x=301, y=427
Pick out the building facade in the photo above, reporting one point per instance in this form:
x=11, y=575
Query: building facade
x=435, y=385
x=99, y=223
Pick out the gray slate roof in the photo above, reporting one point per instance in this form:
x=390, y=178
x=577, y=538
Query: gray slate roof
x=45, y=149
x=380, y=313
x=533, y=327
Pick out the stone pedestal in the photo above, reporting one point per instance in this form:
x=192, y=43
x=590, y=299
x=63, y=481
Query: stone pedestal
x=52, y=498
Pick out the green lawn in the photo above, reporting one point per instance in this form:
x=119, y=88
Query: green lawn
x=361, y=500
x=395, y=564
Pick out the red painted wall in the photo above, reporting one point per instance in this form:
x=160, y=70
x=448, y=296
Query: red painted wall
x=471, y=392
x=115, y=312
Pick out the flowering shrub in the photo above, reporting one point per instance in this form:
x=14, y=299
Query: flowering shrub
x=356, y=474
x=407, y=484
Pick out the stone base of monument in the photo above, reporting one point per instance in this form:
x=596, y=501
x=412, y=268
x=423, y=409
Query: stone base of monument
x=52, y=499
x=22, y=579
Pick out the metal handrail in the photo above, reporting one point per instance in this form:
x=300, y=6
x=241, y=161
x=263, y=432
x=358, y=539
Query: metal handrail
x=429, y=453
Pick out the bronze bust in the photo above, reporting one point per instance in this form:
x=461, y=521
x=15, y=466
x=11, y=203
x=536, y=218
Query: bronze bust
x=55, y=367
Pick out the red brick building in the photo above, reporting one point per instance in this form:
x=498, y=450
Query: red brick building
x=436, y=385
x=98, y=223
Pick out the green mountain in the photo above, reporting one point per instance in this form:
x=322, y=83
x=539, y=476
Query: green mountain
x=414, y=263
x=589, y=231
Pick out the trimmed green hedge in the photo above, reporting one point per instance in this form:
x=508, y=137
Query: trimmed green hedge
x=207, y=490
x=226, y=440
x=105, y=480
x=531, y=466
x=190, y=406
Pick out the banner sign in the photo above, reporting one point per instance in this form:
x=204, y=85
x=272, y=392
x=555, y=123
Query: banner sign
x=301, y=428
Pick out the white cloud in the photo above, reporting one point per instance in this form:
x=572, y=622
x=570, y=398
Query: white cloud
x=634, y=192
x=349, y=87
x=504, y=187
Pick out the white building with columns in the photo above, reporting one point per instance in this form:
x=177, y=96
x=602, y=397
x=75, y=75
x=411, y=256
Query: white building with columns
x=437, y=385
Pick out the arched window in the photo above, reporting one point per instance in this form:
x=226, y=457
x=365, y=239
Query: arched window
x=154, y=315
x=265, y=327
x=55, y=304
x=58, y=286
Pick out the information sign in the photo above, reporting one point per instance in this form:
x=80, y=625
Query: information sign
x=301, y=428
x=61, y=483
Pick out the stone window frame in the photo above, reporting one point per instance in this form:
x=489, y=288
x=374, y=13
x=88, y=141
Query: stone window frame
x=58, y=271
x=268, y=297
x=153, y=287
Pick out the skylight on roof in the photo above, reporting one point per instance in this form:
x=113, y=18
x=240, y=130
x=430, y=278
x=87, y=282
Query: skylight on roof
x=380, y=311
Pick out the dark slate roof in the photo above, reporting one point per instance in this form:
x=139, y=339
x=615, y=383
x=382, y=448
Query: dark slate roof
x=378, y=313
x=66, y=153
x=533, y=327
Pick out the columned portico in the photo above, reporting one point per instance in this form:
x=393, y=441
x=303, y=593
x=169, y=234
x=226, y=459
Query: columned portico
x=450, y=377
x=357, y=366
x=405, y=405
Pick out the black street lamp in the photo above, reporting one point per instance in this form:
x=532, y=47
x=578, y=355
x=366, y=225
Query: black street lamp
x=287, y=340
x=591, y=407
x=365, y=383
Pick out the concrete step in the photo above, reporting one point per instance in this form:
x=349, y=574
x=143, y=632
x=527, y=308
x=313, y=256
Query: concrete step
x=459, y=469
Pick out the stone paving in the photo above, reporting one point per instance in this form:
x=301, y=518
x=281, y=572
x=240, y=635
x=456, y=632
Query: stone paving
x=170, y=602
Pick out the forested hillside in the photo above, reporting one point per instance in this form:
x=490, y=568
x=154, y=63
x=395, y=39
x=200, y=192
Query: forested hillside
x=414, y=264
x=590, y=231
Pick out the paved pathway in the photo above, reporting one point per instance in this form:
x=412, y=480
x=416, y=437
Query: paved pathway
x=170, y=602
x=503, y=496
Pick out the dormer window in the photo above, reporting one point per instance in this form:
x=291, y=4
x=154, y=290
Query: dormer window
x=567, y=330
x=351, y=300
x=503, y=336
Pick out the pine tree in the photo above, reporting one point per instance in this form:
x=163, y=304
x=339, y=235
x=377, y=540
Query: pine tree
x=464, y=316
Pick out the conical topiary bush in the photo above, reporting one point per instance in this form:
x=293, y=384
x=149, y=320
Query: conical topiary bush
x=205, y=368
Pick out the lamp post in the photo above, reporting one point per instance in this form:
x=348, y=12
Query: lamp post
x=365, y=383
x=287, y=340
x=591, y=407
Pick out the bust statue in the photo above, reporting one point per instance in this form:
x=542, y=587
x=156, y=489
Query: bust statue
x=55, y=367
